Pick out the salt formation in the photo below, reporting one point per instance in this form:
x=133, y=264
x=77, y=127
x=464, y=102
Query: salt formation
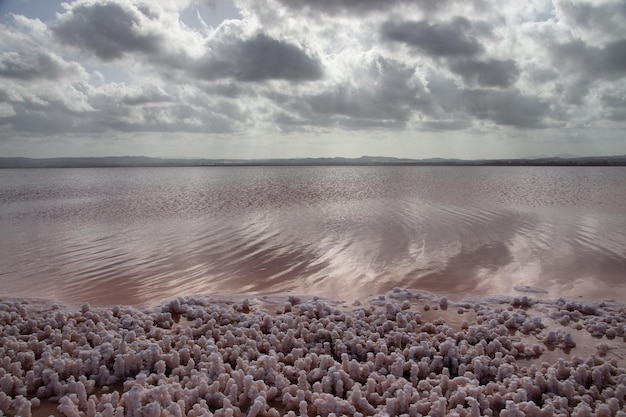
x=195, y=357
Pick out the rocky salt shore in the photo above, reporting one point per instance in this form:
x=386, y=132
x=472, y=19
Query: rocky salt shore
x=402, y=353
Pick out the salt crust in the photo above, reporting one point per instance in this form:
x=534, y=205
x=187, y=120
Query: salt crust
x=204, y=357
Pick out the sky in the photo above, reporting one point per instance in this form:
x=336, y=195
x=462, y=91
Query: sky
x=312, y=78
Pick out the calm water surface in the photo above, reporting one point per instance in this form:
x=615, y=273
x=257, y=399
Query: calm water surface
x=141, y=235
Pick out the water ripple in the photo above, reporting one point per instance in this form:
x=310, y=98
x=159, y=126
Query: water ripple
x=132, y=236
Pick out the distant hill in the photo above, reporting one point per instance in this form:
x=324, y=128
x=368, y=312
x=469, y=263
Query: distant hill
x=142, y=161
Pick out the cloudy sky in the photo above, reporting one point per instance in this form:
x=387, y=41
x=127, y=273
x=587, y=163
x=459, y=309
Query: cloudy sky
x=309, y=78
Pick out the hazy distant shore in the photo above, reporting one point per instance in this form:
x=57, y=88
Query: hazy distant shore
x=140, y=161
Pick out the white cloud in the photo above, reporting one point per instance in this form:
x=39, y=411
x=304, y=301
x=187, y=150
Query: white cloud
x=37, y=64
x=327, y=69
x=596, y=22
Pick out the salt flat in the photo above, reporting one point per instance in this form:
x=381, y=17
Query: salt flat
x=401, y=353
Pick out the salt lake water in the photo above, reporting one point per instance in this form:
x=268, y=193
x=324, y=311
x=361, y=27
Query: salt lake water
x=141, y=235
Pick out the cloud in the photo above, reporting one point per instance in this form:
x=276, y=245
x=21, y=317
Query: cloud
x=334, y=6
x=361, y=68
x=258, y=58
x=388, y=94
x=616, y=105
x=504, y=107
x=614, y=100
x=446, y=39
x=109, y=30
x=360, y=7
x=36, y=65
x=114, y=30
x=153, y=109
x=146, y=95
x=41, y=122
x=52, y=109
x=607, y=61
x=598, y=21
x=507, y=108
x=490, y=73
x=615, y=55
x=541, y=75
x=117, y=108
x=446, y=125
x=576, y=91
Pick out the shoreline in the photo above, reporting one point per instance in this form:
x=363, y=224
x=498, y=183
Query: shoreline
x=403, y=352
x=278, y=296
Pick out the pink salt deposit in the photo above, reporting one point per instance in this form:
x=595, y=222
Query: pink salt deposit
x=403, y=353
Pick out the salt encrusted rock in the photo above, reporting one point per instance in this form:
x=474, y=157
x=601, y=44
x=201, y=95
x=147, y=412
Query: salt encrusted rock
x=602, y=349
x=310, y=358
x=68, y=405
x=22, y=406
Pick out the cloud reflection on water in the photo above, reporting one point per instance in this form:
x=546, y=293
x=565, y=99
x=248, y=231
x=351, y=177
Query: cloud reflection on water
x=143, y=235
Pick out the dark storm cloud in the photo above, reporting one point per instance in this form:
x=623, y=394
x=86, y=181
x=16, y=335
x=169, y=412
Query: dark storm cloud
x=576, y=91
x=446, y=39
x=35, y=65
x=112, y=31
x=616, y=106
x=588, y=65
x=43, y=123
x=368, y=6
x=445, y=125
x=334, y=6
x=230, y=90
x=541, y=75
x=608, y=61
x=508, y=107
x=322, y=66
x=615, y=55
x=608, y=18
x=614, y=100
x=388, y=96
x=590, y=15
x=505, y=107
x=353, y=101
x=108, y=30
x=491, y=73
x=257, y=59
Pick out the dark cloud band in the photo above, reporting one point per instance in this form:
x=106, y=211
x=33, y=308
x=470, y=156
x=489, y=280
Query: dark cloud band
x=108, y=30
x=259, y=58
x=446, y=39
